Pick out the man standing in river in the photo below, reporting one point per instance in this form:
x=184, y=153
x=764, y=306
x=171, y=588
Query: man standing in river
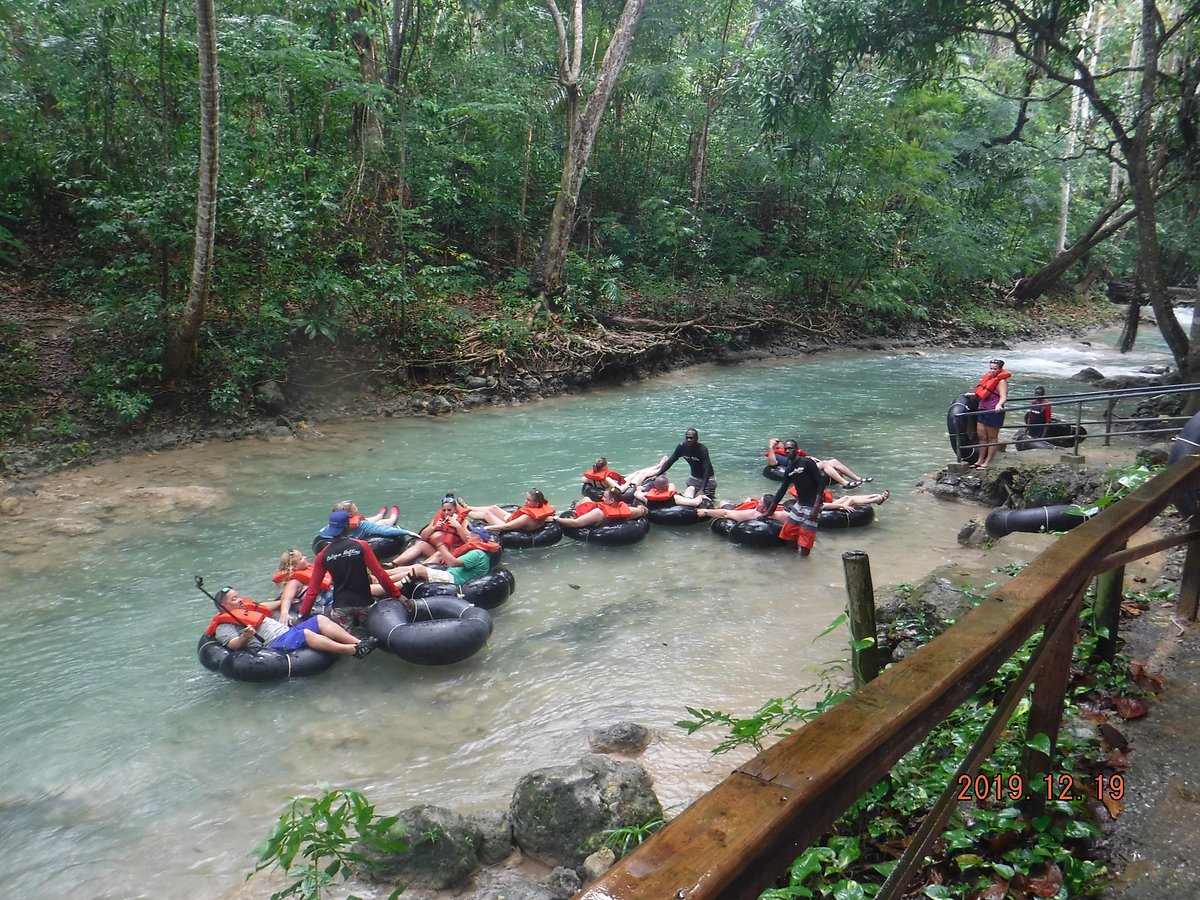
x=702, y=480
x=809, y=481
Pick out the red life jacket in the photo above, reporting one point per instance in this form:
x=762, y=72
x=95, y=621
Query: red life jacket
x=989, y=382
x=658, y=496
x=240, y=617
x=747, y=504
x=584, y=507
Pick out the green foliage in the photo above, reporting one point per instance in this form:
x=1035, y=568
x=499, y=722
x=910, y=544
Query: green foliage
x=849, y=170
x=18, y=380
x=316, y=840
x=622, y=840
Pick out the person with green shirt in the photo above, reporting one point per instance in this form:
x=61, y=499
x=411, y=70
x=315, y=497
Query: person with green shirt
x=459, y=569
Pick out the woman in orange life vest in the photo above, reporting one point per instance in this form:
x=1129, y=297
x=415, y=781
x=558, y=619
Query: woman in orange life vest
x=242, y=621
x=837, y=471
x=294, y=573
x=601, y=477
x=660, y=490
x=992, y=392
x=448, y=527
x=530, y=516
x=610, y=508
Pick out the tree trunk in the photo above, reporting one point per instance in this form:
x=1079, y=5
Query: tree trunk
x=366, y=131
x=180, y=354
x=548, y=279
x=1149, y=254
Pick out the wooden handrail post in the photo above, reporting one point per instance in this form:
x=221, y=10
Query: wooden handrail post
x=1106, y=610
x=860, y=609
x=1045, y=716
x=1189, y=585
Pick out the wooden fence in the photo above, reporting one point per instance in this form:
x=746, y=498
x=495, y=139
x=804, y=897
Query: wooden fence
x=738, y=838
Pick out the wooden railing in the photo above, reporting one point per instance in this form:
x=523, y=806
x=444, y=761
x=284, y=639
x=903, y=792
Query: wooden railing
x=738, y=838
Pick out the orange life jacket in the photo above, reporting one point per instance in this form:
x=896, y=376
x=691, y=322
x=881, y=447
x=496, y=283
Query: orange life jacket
x=584, y=507
x=485, y=546
x=989, y=382
x=304, y=576
x=747, y=504
x=241, y=617
x=598, y=477
x=658, y=496
x=618, y=510
x=537, y=513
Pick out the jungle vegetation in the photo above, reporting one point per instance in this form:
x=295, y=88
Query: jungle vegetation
x=226, y=182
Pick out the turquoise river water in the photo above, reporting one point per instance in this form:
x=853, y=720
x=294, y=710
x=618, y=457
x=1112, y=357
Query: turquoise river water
x=130, y=771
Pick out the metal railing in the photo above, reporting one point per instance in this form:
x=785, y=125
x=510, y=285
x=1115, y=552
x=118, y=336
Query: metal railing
x=739, y=837
x=1085, y=425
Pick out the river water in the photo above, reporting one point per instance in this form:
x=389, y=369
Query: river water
x=130, y=771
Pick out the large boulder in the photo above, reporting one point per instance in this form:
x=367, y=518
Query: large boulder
x=559, y=814
x=440, y=854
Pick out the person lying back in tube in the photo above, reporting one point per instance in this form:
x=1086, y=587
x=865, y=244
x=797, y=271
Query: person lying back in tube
x=243, y=624
x=610, y=508
x=662, y=492
x=835, y=470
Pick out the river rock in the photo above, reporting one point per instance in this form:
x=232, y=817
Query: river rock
x=441, y=851
x=476, y=383
x=500, y=884
x=439, y=405
x=1154, y=454
x=493, y=836
x=563, y=883
x=1088, y=375
x=270, y=397
x=623, y=737
x=597, y=864
x=559, y=813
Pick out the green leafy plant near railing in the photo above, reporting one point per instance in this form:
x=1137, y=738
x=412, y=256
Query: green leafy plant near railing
x=991, y=844
x=314, y=842
x=622, y=840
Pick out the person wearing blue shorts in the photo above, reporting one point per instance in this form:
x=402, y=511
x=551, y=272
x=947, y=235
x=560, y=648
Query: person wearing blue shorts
x=243, y=624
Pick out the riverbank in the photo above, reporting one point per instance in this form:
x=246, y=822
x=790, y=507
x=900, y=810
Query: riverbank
x=329, y=384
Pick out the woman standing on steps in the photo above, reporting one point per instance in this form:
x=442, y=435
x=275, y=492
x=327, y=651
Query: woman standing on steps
x=992, y=392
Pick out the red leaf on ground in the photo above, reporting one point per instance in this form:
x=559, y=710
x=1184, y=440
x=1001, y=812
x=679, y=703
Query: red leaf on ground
x=995, y=891
x=1046, y=884
x=1145, y=679
x=1113, y=806
x=1117, y=760
x=1130, y=707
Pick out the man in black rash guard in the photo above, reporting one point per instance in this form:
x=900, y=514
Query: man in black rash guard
x=702, y=480
x=809, y=481
x=351, y=562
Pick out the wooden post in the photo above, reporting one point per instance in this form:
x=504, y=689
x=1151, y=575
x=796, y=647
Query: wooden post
x=1189, y=585
x=1045, y=716
x=860, y=609
x=1106, y=610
